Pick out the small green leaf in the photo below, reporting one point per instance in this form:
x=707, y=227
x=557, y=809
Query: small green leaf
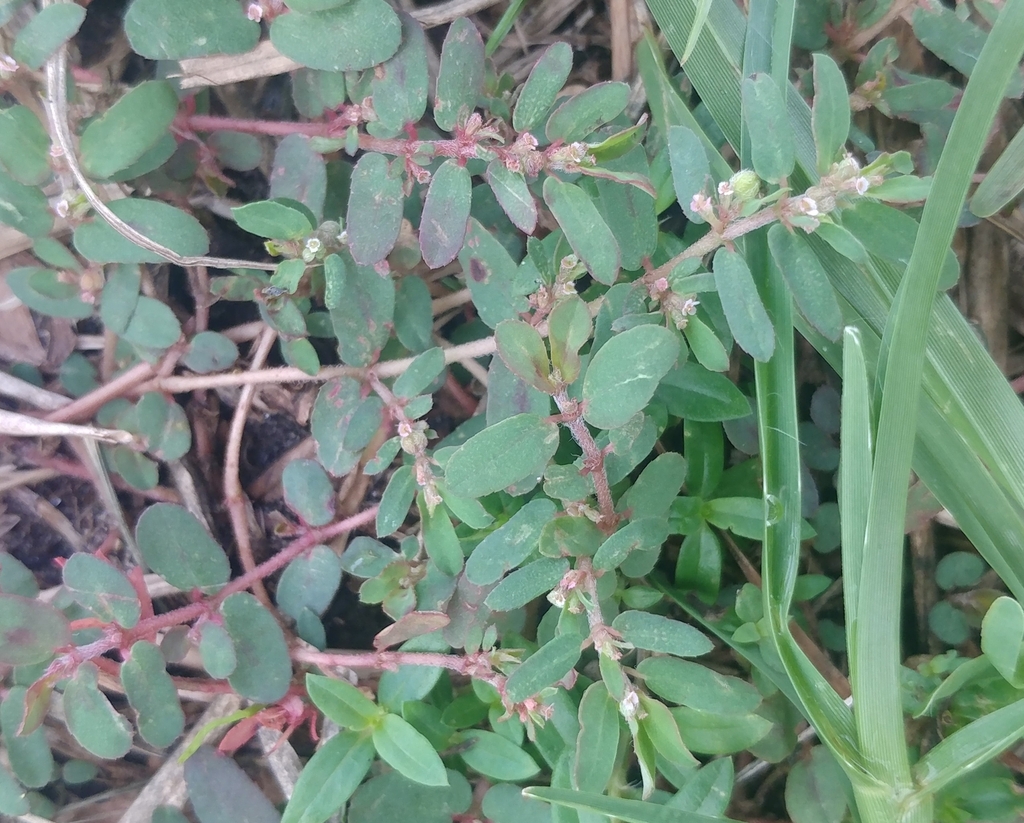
x=659, y=483
x=152, y=694
x=210, y=351
x=694, y=393
x=421, y=372
x=374, y=209
x=329, y=778
x=461, y=76
x=177, y=547
x=549, y=664
x=569, y=328
x=538, y=94
x=505, y=803
x=657, y=633
x=807, y=280
x=690, y=167
x=370, y=30
x=439, y=539
x=45, y=32
x=216, y=650
x=490, y=274
x=299, y=175
x=91, y=719
x=24, y=146
x=158, y=221
x=31, y=631
x=120, y=297
x=153, y=325
x=222, y=793
x=597, y=745
x=43, y=291
x=526, y=584
x=510, y=544
x=399, y=86
x=333, y=410
x=445, y=214
x=495, y=756
x=691, y=684
x=709, y=733
x=513, y=195
x=13, y=797
x=663, y=732
x=97, y=586
x=309, y=582
x=24, y=208
x=772, y=150
x=830, y=112
x=128, y=129
x=585, y=229
x=414, y=316
x=408, y=752
x=342, y=702
x=522, y=348
x=1002, y=636
x=362, y=320
x=501, y=455
x=625, y=372
x=396, y=501
x=277, y=219
x=748, y=320
x=179, y=29
x=625, y=199
x=1003, y=182
x=236, y=150
x=264, y=669
x=582, y=114
x=569, y=536
x=816, y=789
x=645, y=534
x=30, y=756
x=308, y=491
x=705, y=345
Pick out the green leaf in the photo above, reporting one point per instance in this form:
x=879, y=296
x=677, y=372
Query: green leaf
x=657, y=633
x=690, y=168
x=807, y=280
x=308, y=491
x=504, y=803
x=299, y=175
x=816, y=789
x=161, y=423
x=407, y=751
x=618, y=808
x=177, y=547
x=13, y=799
x=495, y=756
x=501, y=455
x=120, y=297
x=461, y=76
x=625, y=372
x=549, y=664
x=522, y=349
x=440, y=540
x=597, y=744
x=329, y=778
x=91, y=719
x=164, y=224
x=179, y=29
x=216, y=650
x=490, y=274
x=342, y=702
x=333, y=410
x=1003, y=182
x=31, y=631
x=709, y=733
x=374, y=209
x=278, y=219
x=538, y=94
x=569, y=536
x=830, y=112
x=30, y=756
x=644, y=534
x=399, y=86
x=309, y=582
x=691, y=684
x=210, y=351
x=128, y=129
x=362, y=320
x=629, y=210
x=264, y=669
x=1002, y=636
x=659, y=483
x=694, y=393
x=16, y=578
x=582, y=114
x=97, y=586
x=569, y=328
x=153, y=325
x=663, y=732
x=414, y=316
x=748, y=320
x=24, y=208
x=585, y=229
x=764, y=111
x=236, y=150
x=152, y=694
x=510, y=544
x=390, y=796
x=45, y=32
x=445, y=214
x=24, y=146
x=526, y=584
x=44, y=291
x=370, y=30
x=512, y=194
x=396, y=501
x=222, y=793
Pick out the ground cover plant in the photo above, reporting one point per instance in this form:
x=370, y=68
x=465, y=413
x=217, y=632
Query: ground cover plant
x=555, y=533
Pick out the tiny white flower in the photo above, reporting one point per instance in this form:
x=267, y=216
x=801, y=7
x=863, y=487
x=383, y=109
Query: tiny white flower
x=629, y=705
x=254, y=12
x=725, y=189
x=689, y=306
x=862, y=184
x=700, y=203
x=806, y=205
x=8, y=65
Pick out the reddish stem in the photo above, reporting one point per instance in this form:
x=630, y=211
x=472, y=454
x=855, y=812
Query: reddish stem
x=593, y=457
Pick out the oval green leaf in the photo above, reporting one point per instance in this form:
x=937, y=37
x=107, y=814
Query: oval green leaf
x=748, y=320
x=549, y=664
x=445, y=214
x=97, y=586
x=585, y=229
x=31, y=631
x=177, y=547
x=179, y=29
x=152, y=694
x=772, y=151
x=158, y=221
x=538, y=94
x=374, y=209
x=582, y=114
x=408, y=752
x=461, y=76
x=264, y=669
x=93, y=722
x=370, y=30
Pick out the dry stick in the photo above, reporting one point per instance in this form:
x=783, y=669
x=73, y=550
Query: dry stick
x=57, y=114
x=234, y=497
x=86, y=405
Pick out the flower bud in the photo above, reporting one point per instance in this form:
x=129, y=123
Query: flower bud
x=746, y=185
